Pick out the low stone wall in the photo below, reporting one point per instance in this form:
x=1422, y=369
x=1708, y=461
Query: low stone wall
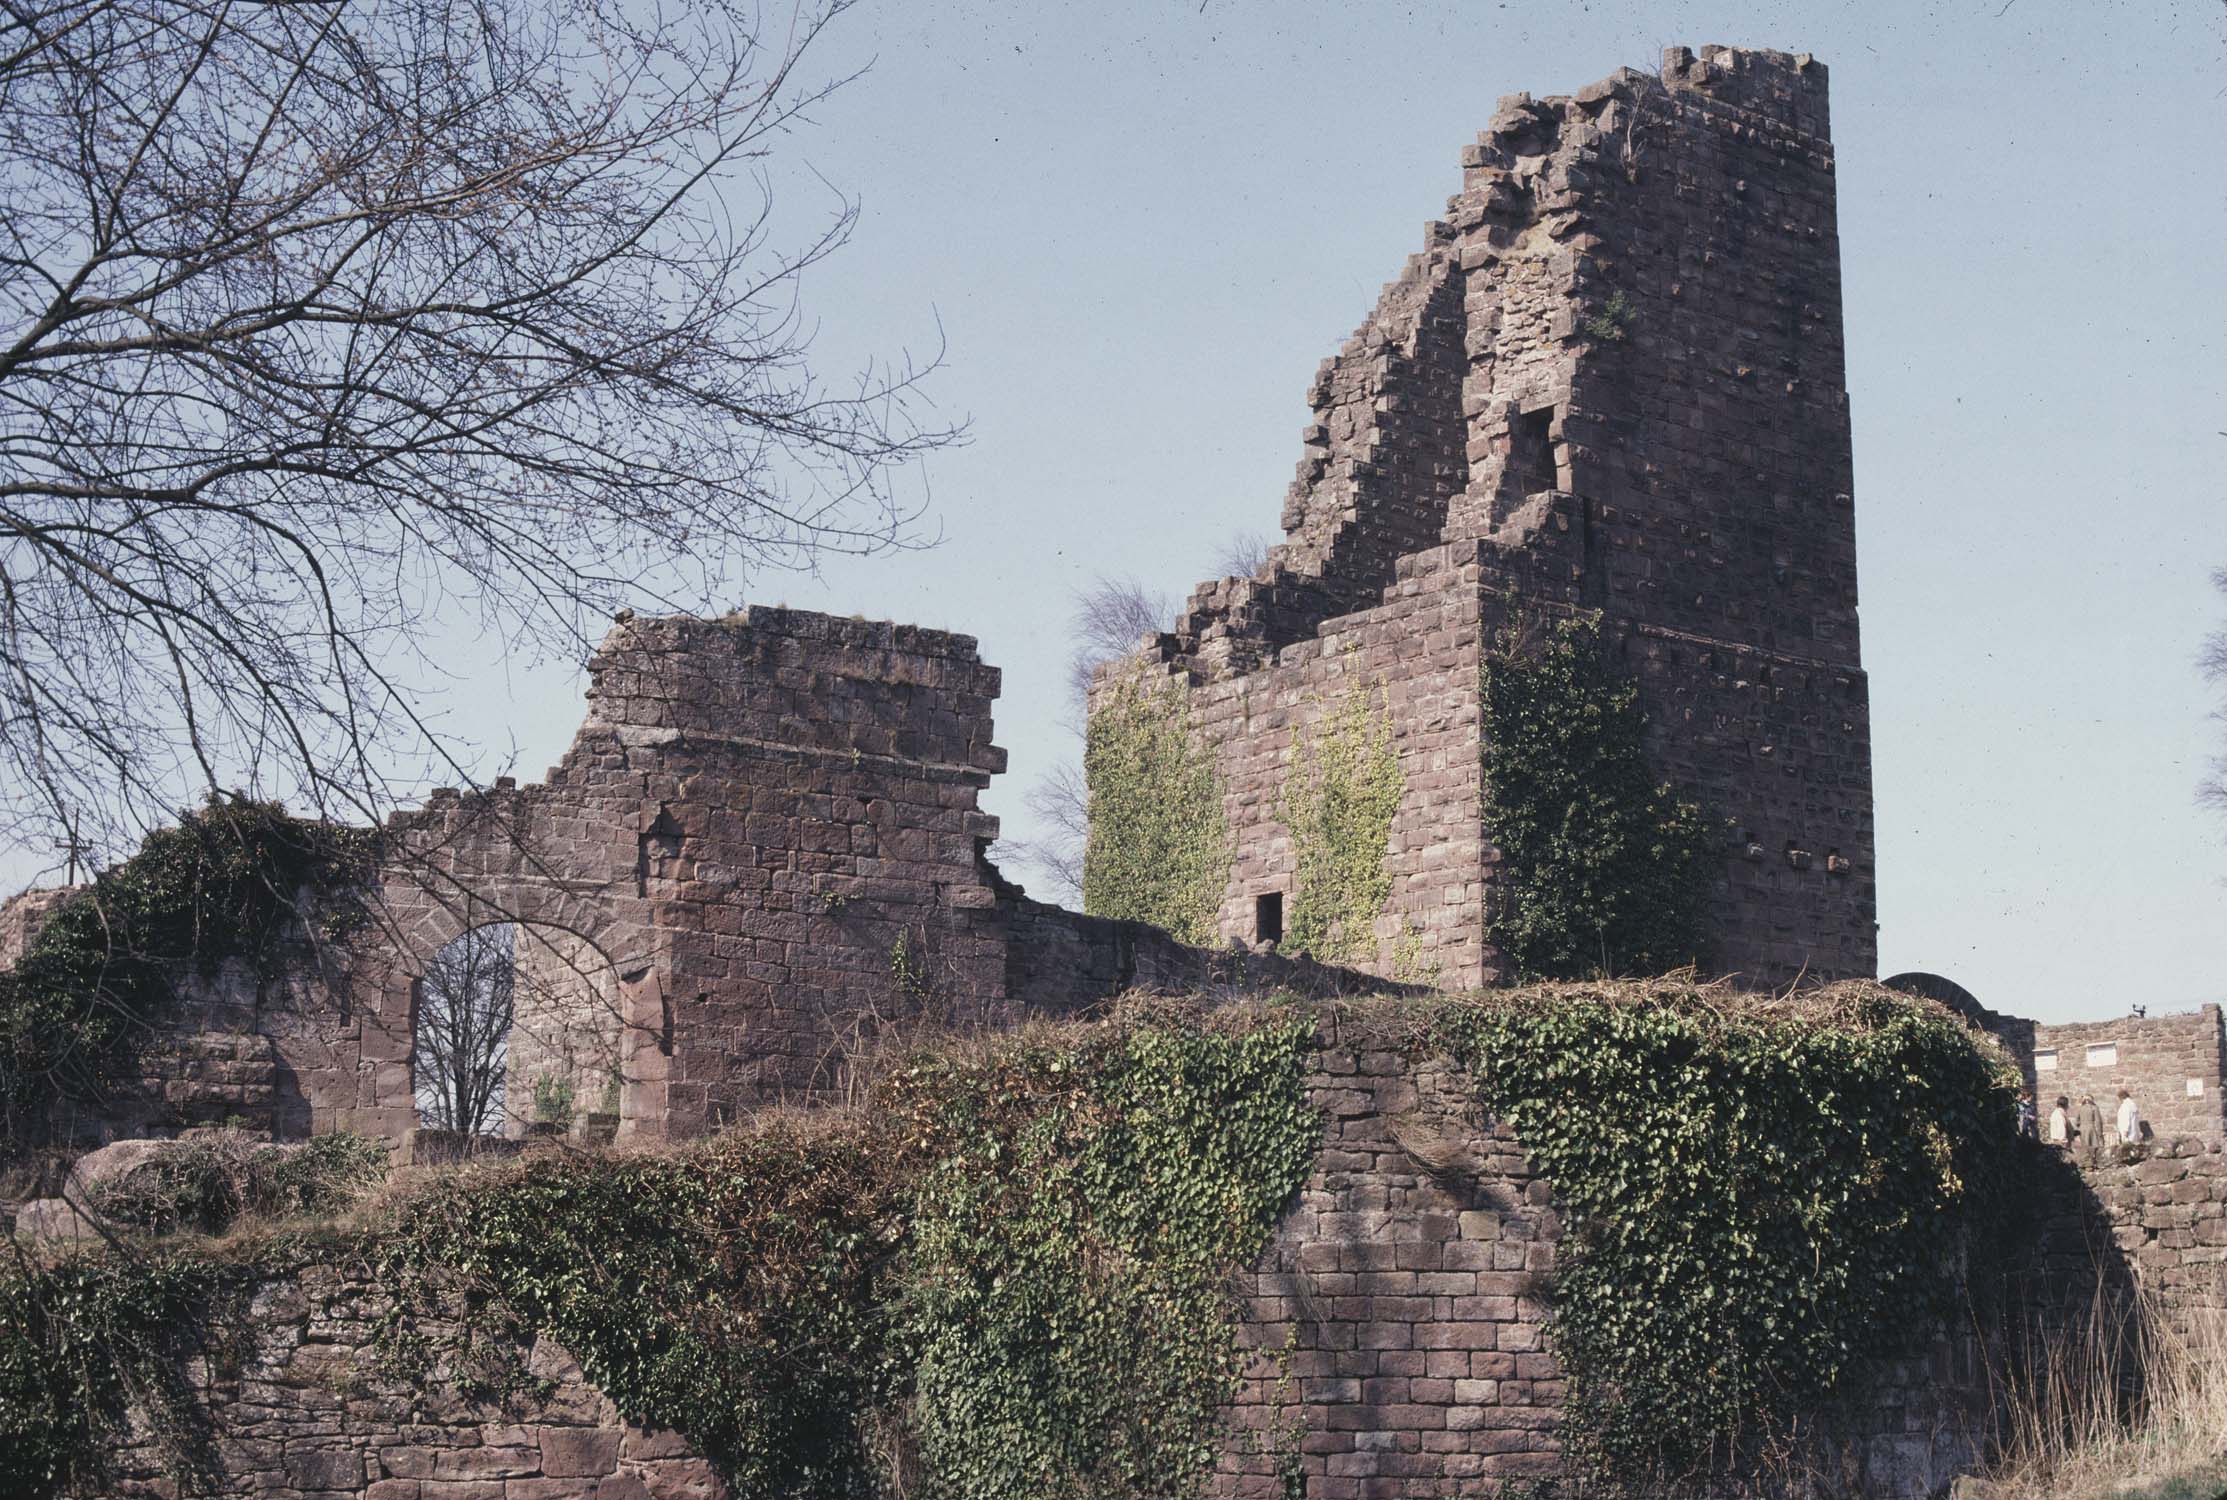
x=303, y=1416
x=1396, y=1329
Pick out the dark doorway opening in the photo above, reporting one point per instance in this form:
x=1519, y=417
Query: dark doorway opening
x=1268, y=918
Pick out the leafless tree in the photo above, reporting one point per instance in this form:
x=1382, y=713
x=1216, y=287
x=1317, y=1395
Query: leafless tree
x=1243, y=555
x=328, y=327
x=461, y=1050
x=1111, y=618
x=2212, y=661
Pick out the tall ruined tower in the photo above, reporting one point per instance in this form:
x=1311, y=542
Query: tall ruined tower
x=1613, y=380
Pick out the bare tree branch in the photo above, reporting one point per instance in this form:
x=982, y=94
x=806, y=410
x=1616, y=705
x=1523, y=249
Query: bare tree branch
x=325, y=326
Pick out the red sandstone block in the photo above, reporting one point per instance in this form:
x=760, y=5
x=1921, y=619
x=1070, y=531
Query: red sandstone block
x=570, y=1452
x=1456, y=1335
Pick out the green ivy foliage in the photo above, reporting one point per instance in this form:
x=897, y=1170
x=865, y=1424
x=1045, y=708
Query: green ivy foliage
x=1065, y=1300
x=208, y=1184
x=1013, y=1275
x=1604, y=869
x=724, y=1292
x=227, y=882
x=1758, y=1201
x=1158, y=849
x=1338, y=801
x=82, y=1340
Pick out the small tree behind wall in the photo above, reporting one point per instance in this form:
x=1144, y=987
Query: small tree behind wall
x=1603, y=868
x=465, y=1006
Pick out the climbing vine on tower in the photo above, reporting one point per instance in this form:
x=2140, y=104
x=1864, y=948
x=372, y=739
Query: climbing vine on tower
x=1159, y=848
x=1604, y=868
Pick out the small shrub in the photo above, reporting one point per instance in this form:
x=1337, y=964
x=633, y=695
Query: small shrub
x=327, y=1175
x=553, y=1101
x=1614, y=318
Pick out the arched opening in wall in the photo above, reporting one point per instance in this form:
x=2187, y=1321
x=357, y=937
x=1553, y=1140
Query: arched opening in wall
x=515, y=1032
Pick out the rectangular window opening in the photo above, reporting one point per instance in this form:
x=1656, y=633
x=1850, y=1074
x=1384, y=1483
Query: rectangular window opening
x=1268, y=918
x=1531, y=453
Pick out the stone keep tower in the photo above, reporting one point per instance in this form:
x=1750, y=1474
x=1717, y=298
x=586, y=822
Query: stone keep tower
x=1612, y=380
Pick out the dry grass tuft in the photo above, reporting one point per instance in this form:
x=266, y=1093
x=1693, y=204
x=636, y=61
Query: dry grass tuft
x=2129, y=1405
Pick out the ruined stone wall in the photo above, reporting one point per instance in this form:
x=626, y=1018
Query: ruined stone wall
x=763, y=850
x=21, y=917
x=1628, y=326
x=1396, y=1329
x=2160, y=1220
x=2172, y=1065
x=1414, y=661
x=303, y=1414
x=1397, y=1322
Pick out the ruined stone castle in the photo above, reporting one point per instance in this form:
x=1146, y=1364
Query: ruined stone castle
x=1611, y=381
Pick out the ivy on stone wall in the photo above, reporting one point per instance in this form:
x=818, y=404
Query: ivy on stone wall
x=1158, y=849
x=1340, y=794
x=1761, y=1197
x=1013, y=1274
x=1066, y=1297
x=1604, y=869
x=232, y=881
x=725, y=1292
x=82, y=1341
x=1010, y=1276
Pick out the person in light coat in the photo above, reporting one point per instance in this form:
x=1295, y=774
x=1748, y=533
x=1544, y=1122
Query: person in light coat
x=2130, y=1120
x=2060, y=1124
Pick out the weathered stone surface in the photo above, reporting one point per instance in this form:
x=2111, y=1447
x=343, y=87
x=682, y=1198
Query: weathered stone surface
x=1612, y=379
x=54, y=1221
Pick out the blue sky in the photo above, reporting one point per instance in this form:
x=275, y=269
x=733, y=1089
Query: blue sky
x=1137, y=227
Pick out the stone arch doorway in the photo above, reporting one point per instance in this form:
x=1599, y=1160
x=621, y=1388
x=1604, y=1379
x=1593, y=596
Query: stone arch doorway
x=516, y=1030
x=588, y=1033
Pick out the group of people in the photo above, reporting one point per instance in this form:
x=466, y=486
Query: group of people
x=2083, y=1130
